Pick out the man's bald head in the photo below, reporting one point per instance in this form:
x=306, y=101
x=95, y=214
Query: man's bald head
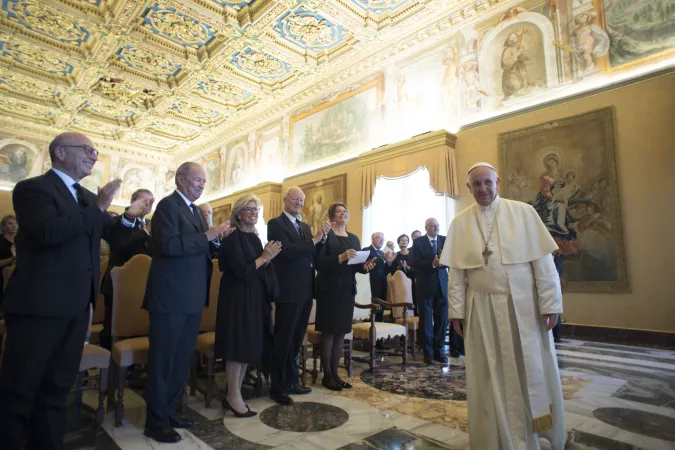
x=294, y=200
x=73, y=154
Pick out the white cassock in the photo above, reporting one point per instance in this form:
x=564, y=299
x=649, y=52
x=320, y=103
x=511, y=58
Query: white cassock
x=514, y=390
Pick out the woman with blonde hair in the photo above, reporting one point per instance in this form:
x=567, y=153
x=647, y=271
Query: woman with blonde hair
x=335, y=292
x=247, y=289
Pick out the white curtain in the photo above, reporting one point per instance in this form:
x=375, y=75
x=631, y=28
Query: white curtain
x=401, y=205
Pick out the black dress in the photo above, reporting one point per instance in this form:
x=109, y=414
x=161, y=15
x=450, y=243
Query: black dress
x=335, y=284
x=5, y=252
x=400, y=257
x=243, y=321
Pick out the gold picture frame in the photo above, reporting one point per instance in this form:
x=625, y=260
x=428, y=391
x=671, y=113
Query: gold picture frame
x=566, y=169
x=319, y=195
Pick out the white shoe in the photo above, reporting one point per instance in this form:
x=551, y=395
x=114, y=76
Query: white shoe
x=545, y=444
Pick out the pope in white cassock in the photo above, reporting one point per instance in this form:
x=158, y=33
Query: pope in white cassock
x=504, y=289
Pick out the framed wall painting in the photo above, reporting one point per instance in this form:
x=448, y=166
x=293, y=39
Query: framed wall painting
x=566, y=169
x=222, y=214
x=319, y=195
x=344, y=125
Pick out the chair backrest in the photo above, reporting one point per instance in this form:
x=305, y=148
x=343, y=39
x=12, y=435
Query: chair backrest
x=99, y=312
x=208, y=320
x=400, y=287
x=363, y=297
x=128, y=319
x=6, y=275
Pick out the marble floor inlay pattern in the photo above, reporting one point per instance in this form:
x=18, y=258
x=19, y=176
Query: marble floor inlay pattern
x=617, y=397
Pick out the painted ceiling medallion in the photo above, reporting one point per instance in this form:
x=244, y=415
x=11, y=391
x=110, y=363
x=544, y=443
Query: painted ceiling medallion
x=222, y=91
x=91, y=126
x=379, y=6
x=148, y=61
x=308, y=29
x=172, y=129
x=27, y=110
x=34, y=57
x=260, y=64
x=178, y=27
x=125, y=92
x=28, y=87
x=45, y=20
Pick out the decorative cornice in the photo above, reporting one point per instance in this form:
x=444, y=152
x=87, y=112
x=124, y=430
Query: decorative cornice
x=426, y=141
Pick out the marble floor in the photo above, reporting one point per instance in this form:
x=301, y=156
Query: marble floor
x=617, y=397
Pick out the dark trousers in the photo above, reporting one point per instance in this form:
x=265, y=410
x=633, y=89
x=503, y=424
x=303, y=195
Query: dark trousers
x=172, y=343
x=41, y=360
x=556, y=330
x=290, y=325
x=434, y=322
x=106, y=333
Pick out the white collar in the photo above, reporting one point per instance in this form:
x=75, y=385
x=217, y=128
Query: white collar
x=431, y=239
x=189, y=203
x=293, y=218
x=65, y=177
x=492, y=206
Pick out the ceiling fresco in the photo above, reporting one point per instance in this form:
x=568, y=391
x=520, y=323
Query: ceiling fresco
x=170, y=76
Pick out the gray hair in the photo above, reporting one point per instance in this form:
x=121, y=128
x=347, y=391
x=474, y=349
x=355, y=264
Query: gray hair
x=206, y=205
x=239, y=205
x=376, y=233
x=184, y=170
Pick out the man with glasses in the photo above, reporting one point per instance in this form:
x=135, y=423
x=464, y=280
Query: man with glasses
x=56, y=282
x=176, y=292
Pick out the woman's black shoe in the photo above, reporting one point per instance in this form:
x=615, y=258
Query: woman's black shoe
x=332, y=385
x=249, y=413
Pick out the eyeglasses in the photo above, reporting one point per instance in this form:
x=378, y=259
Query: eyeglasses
x=248, y=209
x=87, y=150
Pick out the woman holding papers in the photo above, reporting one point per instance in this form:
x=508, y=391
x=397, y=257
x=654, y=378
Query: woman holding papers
x=335, y=291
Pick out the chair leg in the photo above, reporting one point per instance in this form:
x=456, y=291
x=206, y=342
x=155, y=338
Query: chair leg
x=102, y=389
x=412, y=340
x=404, y=338
x=208, y=395
x=315, y=356
x=119, y=407
x=258, y=382
x=193, y=374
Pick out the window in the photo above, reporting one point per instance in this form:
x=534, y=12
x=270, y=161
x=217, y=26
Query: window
x=401, y=205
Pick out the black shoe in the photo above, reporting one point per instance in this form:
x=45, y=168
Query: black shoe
x=344, y=385
x=282, y=399
x=441, y=358
x=299, y=390
x=163, y=435
x=428, y=360
x=181, y=422
x=332, y=385
x=248, y=413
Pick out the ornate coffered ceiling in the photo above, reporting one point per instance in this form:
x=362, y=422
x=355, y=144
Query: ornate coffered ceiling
x=171, y=77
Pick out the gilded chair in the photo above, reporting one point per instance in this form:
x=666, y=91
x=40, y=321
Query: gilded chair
x=130, y=326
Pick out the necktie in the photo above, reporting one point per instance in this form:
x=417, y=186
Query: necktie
x=81, y=197
x=433, y=243
x=194, y=210
x=299, y=228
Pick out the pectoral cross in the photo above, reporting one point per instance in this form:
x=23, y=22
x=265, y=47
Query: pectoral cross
x=486, y=254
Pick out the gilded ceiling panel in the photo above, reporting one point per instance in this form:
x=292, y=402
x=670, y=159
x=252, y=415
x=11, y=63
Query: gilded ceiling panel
x=195, y=114
x=126, y=92
x=101, y=129
x=31, y=111
x=29, y=88
x=260, y=64
x=172, y=129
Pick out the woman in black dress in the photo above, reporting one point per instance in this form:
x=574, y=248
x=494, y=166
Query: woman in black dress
x=9, y=227
x=335, y=292
x=247, y=288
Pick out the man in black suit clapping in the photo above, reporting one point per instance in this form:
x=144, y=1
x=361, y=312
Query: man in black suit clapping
x=431, y=282
x=49, y=296
x=295, y=270
x=378, y=276
x=177, y=290
x=121, y=251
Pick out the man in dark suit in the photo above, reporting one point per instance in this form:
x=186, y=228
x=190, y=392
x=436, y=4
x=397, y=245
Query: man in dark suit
x=121, y=251
x=49, y=296
x=295, y=271
x=431, y=280
x=176, y=292
x=378, y=276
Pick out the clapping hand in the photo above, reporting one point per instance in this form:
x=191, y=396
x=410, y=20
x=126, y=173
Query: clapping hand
x=107, y=193
x=140, y=207
x=436, y=262
x=369, y=265
x=271, y=250
x=227, y=229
